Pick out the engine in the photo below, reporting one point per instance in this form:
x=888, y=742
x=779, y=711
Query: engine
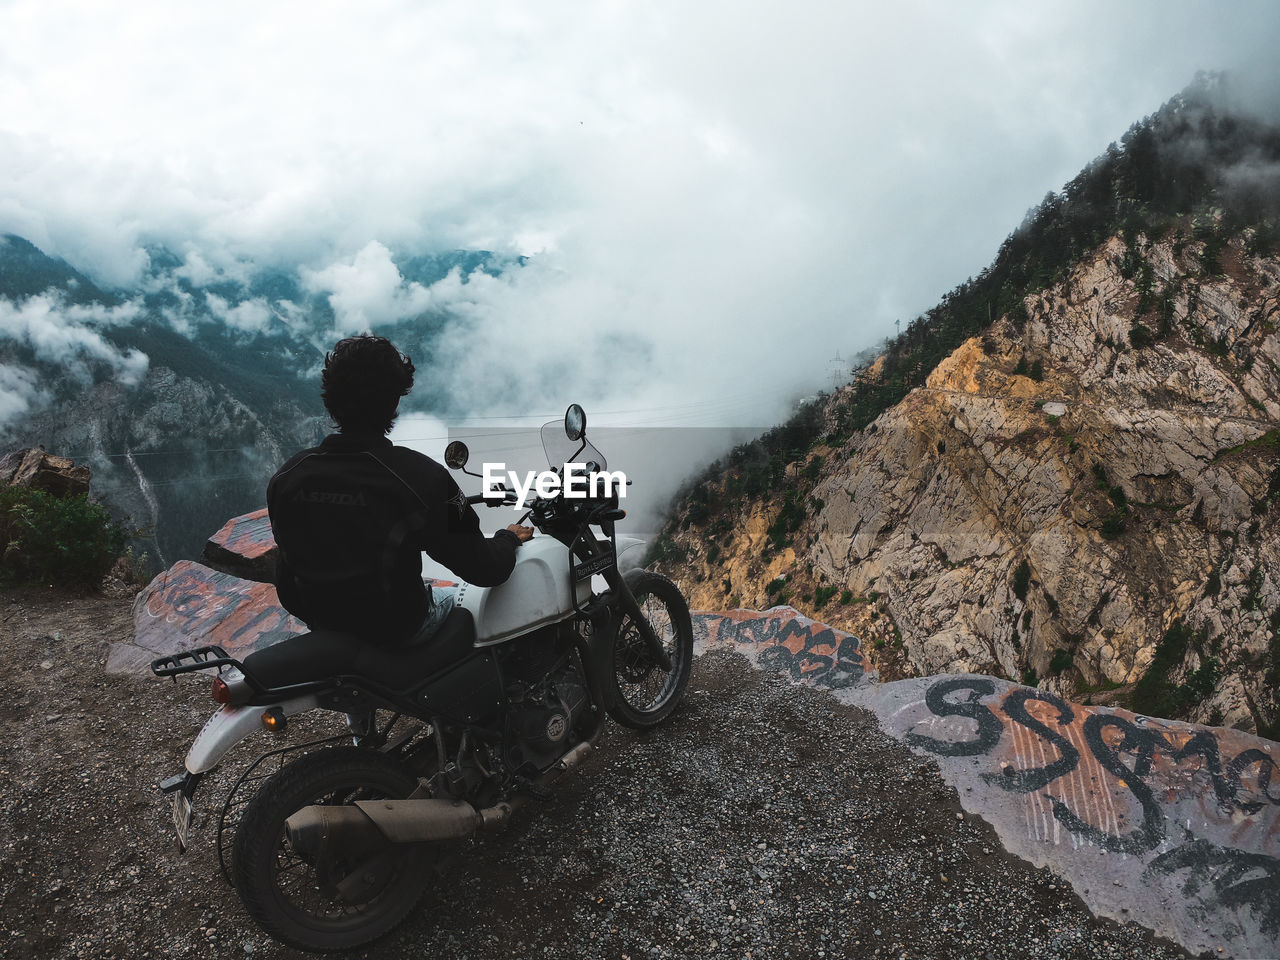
x=546, y=694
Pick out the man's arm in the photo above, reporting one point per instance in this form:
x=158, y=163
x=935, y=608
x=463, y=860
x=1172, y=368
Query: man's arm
x=454, y=540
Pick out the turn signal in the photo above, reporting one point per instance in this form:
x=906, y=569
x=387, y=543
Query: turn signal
x=273, y=719
x=221, y=693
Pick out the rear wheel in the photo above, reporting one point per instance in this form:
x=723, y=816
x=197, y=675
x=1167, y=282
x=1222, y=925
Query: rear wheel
x=327, y=900
x=644, y=693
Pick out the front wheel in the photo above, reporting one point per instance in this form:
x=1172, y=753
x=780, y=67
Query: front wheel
x=330, y=900
x=644, y=693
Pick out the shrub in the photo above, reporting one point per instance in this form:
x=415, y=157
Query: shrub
x=1214, y=585
x=789, y=520
x=1061, y=661
x=665, y=550
x=1113, y=525
x=1158, y=696
x=70, y=541
x=1021, y=580
x=1140, y=336
x=846, y=596
x=822, y=595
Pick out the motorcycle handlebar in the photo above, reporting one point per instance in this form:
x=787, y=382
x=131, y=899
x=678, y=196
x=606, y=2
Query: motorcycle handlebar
x=508, y=500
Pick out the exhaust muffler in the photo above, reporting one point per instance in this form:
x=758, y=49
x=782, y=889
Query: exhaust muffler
x=368, y=824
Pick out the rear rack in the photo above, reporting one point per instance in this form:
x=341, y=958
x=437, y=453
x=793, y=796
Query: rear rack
x=201, y=658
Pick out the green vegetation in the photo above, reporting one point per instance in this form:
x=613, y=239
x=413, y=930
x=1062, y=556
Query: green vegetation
x=822, y=595
x=788, y=521
x=70, y=541
x=1253, y=595
x=1103, y=685
x=1114, y=523
x=1214, y=584
x=846, y=597
x=1156, y=695
x=1272, y=494
x=1271, y=682
x=1022, y=580
x=1029, y=678
x=1062, y=660
x=665, y=550
x=1269, y=442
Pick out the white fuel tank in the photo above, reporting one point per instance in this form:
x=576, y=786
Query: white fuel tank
x=536, y=593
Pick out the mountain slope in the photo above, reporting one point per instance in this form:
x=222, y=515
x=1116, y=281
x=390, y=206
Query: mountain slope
x=185, y=392
x=1085, y=491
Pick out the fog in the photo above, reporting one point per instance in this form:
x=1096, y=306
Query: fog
x=715, y=199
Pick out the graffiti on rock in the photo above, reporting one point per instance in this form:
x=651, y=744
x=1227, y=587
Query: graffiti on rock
x=784, y=640
x=248, y=536
x=190, y=605
x=1106, y=778
x=1238, y=878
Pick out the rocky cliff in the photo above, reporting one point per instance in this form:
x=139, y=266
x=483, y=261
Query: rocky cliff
x=174, y=454
x=1085, y=494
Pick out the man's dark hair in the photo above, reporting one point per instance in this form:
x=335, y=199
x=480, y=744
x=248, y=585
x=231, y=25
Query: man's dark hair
x=363, y=380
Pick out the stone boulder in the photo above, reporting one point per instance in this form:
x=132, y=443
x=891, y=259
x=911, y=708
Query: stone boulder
x=33, y=467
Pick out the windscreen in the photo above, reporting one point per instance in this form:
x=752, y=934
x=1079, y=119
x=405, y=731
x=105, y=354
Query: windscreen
x=561, y=450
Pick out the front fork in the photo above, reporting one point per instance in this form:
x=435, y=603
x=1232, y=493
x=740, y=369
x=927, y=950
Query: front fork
x=627, y=602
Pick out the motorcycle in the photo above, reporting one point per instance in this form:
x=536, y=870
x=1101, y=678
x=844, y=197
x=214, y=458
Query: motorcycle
x=333, y=848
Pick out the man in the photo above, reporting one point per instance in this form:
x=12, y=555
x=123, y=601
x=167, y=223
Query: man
x=352, y=516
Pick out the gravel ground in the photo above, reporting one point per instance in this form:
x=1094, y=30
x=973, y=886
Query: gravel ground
x=764, y=820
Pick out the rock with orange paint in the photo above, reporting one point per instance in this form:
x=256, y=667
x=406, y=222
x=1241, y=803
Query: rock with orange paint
x=244, y=547
x=191, y=605
x=784, y=639
x=1174, y=825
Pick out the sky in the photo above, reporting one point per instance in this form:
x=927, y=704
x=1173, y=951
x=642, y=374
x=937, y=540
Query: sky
x=717, y=199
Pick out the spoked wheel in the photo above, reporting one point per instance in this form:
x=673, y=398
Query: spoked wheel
x=332, y=899
x=645, y=694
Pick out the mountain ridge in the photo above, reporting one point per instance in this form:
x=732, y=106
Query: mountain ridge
x=185, y=391
x=1082, y=486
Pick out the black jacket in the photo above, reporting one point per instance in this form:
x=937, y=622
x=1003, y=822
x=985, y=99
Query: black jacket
x=352, y=517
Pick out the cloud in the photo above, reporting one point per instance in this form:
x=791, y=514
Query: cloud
x=367, y=291
x=65, y=335
x=714, y=196
x=19, y=393
x=248, y=316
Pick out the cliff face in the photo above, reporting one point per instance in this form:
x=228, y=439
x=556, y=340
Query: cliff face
x=174, y=454
x=1062, y=492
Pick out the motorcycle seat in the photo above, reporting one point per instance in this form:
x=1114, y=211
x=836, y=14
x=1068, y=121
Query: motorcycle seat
x=324, y=654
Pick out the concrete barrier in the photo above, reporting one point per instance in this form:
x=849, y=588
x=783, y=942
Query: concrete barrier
x=1172, y=825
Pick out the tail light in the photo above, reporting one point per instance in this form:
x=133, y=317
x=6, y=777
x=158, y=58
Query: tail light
x=221, y=693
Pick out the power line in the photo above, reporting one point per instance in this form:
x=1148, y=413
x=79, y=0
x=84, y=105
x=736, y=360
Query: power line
x=695, y=409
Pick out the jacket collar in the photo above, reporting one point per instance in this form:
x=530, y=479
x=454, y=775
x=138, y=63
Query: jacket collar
x=354, y=442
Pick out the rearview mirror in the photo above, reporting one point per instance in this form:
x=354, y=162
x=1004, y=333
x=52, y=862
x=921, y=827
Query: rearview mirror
x=575, y=422
x=456, y=455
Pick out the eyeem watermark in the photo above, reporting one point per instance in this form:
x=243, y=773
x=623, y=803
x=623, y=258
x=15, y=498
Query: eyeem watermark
x=575, y=481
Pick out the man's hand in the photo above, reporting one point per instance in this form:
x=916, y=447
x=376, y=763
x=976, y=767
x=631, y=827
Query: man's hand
x=522, y=533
